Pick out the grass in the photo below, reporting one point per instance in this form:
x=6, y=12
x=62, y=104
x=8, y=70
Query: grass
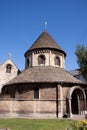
x=35, y=124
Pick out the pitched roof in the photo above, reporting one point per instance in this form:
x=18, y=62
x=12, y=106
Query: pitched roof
x=45, y=74
x=45, y=41
x=9, y=61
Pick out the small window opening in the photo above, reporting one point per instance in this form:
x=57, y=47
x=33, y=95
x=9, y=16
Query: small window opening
x=8, y=68
x=28, y=62
x=36, y=93
x=57, y=61
x=41, y=59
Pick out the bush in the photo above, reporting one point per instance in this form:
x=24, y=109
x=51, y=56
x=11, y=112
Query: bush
x=78, y=125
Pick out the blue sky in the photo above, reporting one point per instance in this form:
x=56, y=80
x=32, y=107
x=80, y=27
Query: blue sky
x=22, y=21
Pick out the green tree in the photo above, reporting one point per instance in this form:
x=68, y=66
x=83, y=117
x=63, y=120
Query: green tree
x=81, y=53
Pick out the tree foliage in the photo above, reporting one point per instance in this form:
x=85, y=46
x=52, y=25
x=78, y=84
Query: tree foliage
x=81, y=53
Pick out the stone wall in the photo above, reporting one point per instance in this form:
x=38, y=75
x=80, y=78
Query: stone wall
x=28, y=107
x=52, y=99
x=5, y=77
x=49, y=55
x=65, y=104
x=26, y=91
x=24, y=102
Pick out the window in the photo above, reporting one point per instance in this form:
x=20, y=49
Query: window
x=36, y=93
x=57, y=61
x=41, y=59
x=8, y=68
x=28, y=63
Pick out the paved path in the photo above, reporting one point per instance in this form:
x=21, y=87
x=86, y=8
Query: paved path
x=78, y=117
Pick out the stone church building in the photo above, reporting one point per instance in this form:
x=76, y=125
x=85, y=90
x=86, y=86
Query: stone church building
x=8, y=71
x=44, y=87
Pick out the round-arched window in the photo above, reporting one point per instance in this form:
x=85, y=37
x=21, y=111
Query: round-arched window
x=8, y=68
x=57, y=61
x=41, y=59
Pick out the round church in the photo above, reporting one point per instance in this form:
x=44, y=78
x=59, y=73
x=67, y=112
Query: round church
x=44, y=88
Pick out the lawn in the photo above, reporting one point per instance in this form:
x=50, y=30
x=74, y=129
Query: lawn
x=35, y=124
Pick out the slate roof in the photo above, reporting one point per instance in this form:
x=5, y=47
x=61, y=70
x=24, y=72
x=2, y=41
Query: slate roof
x=45, y=41
x=45, y=74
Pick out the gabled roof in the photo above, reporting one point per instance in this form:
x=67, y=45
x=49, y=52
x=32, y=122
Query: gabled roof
x=45, y=41
x=45, y=74
x=9, y=61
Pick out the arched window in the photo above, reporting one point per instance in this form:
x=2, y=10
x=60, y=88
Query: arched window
x=41, y=59
x=28, y=62
x=8, y=68
x=57, y=61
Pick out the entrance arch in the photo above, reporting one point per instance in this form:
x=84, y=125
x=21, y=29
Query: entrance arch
x=77, y=101
x=76, y=96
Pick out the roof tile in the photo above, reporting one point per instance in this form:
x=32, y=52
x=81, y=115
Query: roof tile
x=45, y=41
x=45, y=74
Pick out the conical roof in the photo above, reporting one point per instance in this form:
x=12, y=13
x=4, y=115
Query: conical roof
x=45, y=41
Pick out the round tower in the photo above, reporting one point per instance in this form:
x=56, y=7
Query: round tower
x=45, y=52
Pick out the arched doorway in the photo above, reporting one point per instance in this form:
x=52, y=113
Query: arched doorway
x=77, y=101
x=74, y=103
